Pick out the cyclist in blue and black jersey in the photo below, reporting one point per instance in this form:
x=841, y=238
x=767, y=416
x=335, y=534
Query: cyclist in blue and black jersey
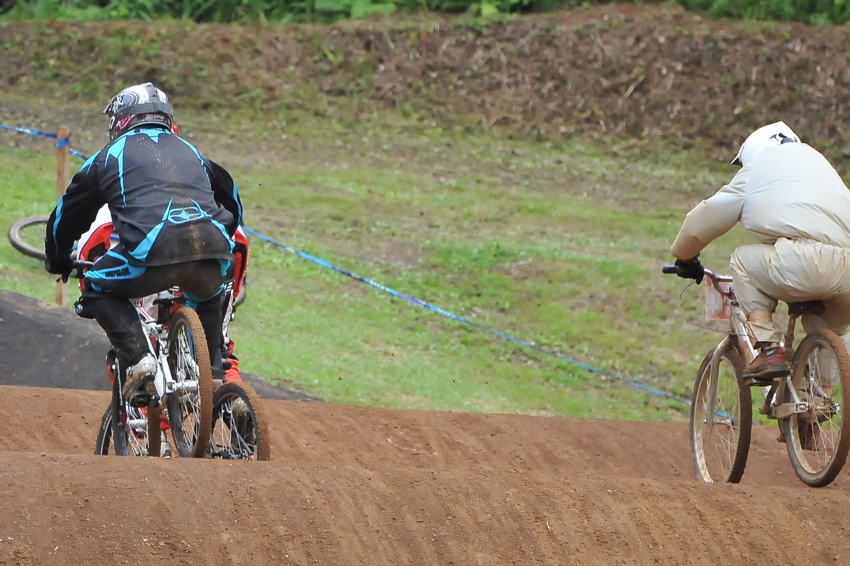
x=175, y=212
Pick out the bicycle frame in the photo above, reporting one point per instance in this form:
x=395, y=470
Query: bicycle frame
x=157, y=336
x=740, y=338
x=728, y=309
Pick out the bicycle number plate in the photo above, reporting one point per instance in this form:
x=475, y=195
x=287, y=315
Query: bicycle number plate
x=717, y=306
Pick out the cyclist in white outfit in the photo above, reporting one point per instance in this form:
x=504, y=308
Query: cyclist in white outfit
x=793, y=201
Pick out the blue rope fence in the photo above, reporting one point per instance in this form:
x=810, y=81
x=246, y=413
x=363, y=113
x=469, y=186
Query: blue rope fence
x=59, y=143
x=415, y=301
x=443, y=312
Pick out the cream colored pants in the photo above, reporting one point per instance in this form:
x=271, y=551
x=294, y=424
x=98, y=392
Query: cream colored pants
x=794, y=271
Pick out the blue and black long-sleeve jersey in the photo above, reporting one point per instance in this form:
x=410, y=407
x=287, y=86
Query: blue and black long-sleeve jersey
x=169, y=203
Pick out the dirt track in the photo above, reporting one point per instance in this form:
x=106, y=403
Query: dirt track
x=356, y=485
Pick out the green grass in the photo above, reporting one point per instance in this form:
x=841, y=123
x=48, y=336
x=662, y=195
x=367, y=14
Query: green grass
x=556, y=245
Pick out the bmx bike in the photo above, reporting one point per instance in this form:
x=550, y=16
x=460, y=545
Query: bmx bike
x=207, y=418
x=236, y=427
x=183, y=386
x=808, y=403
x=238, y=432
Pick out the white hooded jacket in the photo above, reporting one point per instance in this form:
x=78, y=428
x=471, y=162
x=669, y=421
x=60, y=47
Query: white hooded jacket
x=788, y=191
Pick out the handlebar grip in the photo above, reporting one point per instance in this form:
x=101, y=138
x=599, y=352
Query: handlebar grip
x=669, y=269
x=78, y=272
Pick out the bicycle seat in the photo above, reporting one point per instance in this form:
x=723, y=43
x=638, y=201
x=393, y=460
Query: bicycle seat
x=806, y=307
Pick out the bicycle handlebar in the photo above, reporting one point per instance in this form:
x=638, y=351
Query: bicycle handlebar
x=78, y=271
x=715, y=278
x=674, y=270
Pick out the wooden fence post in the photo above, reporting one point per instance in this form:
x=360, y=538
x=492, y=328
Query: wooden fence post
x=63, y=177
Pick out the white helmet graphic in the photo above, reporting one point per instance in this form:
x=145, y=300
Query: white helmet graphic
x=766, y=136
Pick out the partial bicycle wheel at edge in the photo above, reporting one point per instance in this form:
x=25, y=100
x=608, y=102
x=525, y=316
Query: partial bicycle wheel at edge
x=26, y=238
x=818, y=439
x=239, y=429
x=190, y=404
x=720, y=434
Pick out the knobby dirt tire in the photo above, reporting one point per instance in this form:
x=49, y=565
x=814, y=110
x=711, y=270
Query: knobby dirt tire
x=720, y=436
x=19, y=242
x=104, y=434
x=189, y=408
x=818, y=440
x=245, y=438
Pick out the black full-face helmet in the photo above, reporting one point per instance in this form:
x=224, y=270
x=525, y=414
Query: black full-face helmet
x=142, y=104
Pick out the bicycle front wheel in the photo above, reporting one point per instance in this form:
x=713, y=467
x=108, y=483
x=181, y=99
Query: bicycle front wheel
x=190, y=404
x=239, y=429
x=818, y=437
x=721, y=419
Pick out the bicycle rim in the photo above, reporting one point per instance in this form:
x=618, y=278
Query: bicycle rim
x=239, y=428
x=721, y=420
x=190, y=404
x=818, y=438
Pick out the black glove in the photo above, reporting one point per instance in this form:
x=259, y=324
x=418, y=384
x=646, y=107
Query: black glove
x=690, y=269
x=59, y=265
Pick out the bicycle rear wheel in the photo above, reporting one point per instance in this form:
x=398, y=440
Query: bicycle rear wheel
x=27, y=236
x=124, y=429
x=240, y=428
x=818, y=438
x=190, y=404
x=135, y=438
x=721, y=420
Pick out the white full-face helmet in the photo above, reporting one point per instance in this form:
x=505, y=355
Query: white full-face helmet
x=766, y=136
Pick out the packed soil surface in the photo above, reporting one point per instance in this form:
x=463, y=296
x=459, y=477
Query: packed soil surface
x=359, y=485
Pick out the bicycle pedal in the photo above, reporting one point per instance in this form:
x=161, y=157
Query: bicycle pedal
x=140, y=400
x=758, y=382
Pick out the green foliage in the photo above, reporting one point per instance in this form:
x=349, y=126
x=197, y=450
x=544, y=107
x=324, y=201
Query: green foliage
x=814, y=11
x=262, y=11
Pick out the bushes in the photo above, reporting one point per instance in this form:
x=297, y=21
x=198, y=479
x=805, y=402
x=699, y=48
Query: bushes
x=814, y=11
x=244, y=11
x=249, y=11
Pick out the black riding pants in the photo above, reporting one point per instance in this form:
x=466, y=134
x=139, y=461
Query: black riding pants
x=107, y=301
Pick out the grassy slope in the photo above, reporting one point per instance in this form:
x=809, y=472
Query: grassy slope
x=556, y=245
x=559, y=244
